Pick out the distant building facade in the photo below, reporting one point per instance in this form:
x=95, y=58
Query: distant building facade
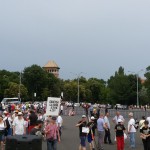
x=52, y=67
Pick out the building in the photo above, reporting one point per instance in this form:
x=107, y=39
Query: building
x=52, y=67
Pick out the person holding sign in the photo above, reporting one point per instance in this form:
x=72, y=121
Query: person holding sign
x=83, y=131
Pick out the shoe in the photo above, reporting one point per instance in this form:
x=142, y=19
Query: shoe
x=111, y=144
x=105, y=143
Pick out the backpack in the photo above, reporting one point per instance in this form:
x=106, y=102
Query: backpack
x=7, y=124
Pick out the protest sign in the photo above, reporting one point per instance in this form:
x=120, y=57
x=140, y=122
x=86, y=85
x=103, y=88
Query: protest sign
x=53, y=106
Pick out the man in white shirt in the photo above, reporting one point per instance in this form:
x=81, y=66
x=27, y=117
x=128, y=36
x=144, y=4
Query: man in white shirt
x=59, y=122
x=148, y=119
x=131, y=130
x=118, y=116
x=107, y=129
x=19, y=127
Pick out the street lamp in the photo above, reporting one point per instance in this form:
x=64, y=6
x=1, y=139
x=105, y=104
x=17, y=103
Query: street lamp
x=19, y=94
x=78, y=77
x=137, y=85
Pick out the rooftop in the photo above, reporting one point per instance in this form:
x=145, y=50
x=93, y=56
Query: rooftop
x=51, y=64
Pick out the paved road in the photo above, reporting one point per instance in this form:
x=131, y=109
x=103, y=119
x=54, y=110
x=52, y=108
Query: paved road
x=70, y=138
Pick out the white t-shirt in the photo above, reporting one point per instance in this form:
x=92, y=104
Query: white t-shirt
x=118, y=117
x=2, y=126
x=148, y=119
x=19, y=126
x=59, y=121
x=10, y=121
x=107, y=121
x=61, y=107
x=131, y=123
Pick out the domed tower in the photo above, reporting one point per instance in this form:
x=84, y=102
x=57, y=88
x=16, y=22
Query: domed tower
x=52, y=67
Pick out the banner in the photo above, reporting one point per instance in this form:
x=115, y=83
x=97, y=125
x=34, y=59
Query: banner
x=53, y=106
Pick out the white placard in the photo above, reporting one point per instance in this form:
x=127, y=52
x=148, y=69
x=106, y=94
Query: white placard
x=53, y=106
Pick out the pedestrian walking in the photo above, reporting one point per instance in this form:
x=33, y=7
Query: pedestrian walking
x=101, y=128
x=19, y=125
x=131, y=130
x=145, y=135
x=120, y=129
x=82, y=124
x=52, y=134
x=107, y=129
x=117, y=117
x=91, y=134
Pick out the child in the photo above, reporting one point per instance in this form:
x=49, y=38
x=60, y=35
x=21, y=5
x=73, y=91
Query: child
x=119, y=129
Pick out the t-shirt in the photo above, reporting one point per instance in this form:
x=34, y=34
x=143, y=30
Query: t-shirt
x=119, y=130
x=100, y=124
x=92, y=127
x=84, y=124
x=131, y=123
x=59, y=121
x=145, y=131
x=118, y=117
x=19, y=126
x=33, y=119
x=148, y=119
x=107, y=121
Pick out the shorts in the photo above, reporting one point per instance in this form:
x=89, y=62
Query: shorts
x=89, y=138
x=83, y=141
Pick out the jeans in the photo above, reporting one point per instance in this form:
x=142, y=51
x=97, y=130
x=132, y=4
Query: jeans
x=52, y=145
x=107, y=136
x=100, y=139
x=132, y=139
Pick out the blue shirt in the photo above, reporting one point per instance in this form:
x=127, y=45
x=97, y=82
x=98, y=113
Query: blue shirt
x=100, y=124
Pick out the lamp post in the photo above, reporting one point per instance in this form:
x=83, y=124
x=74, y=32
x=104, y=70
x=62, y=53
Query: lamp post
x=78, y=78
x=19, y=94
x=137, y=86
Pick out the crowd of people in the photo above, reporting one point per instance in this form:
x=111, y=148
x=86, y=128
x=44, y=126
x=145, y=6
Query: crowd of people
x=96, y=130
x=30, y=120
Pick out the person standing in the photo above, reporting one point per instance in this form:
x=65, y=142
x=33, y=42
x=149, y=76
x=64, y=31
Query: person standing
x=2, y=132
x=32, y=120
x=145, y=135
x=19, y=125
x=131, y=130
x=107, y=130
x=91, y=133
x=117, y=117
x=52, y=134
x=120, y=129
x=59, y=123
x=61, y=109
x=82, y=135
x=101, y=128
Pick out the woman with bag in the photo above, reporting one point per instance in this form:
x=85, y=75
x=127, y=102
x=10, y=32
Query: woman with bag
x=145, y=135
x=2, y=132
x=52, y=134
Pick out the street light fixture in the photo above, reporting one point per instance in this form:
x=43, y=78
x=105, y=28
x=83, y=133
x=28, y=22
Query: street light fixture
x=78, y=77
x=137, y=85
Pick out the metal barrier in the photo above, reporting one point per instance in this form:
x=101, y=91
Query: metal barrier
x=137, y=113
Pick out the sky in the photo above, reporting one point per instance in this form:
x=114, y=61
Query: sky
x=95, y=37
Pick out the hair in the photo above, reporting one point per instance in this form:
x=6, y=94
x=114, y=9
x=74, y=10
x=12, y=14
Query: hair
x=146, y=122
x=143, y=117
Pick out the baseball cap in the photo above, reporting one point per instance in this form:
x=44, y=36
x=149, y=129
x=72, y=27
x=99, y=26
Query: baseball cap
x=20, y=113
x=92, y=118
x=83, y=116
x=119, y=120
x=5, y=112
x=131, y=114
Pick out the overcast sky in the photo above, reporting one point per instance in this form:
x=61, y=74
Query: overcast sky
x=90, y=36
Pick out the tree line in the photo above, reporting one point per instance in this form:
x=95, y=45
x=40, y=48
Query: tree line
x=119, y=88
